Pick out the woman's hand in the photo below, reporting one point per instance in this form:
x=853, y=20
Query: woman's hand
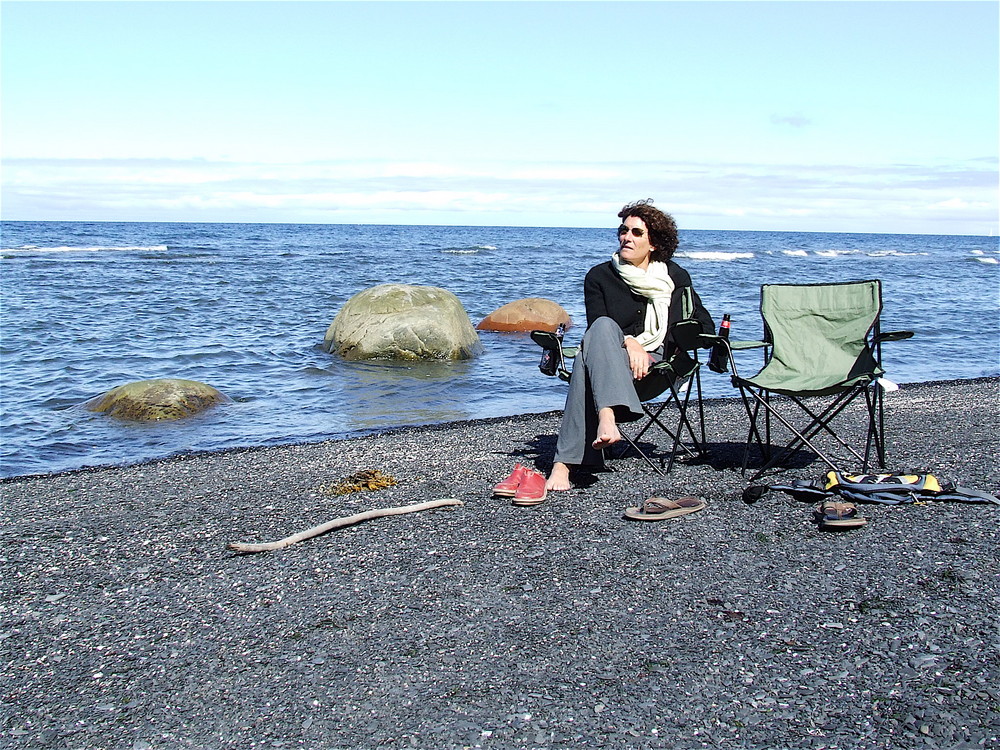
x=639, y=360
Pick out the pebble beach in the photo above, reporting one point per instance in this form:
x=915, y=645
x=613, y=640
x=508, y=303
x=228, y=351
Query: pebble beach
x=127, y=623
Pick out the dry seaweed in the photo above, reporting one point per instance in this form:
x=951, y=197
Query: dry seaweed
x=367, y=480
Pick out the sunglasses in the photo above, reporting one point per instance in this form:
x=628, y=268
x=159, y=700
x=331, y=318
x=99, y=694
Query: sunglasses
x=636, y=231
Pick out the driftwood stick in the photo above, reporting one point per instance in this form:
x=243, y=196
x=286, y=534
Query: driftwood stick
x=337, y=523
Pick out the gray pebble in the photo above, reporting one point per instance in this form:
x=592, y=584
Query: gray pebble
x=489, y=625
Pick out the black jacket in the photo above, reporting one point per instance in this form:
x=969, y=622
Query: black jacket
x=605, y=293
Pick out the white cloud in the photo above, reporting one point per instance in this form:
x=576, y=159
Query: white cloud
x=795, y=121
x=947, y=198
x=959, y=204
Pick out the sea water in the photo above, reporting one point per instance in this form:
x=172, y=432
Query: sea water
x=244, y=308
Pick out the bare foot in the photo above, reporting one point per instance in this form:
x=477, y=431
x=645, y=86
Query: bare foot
x=607, y=430
x=558, y=478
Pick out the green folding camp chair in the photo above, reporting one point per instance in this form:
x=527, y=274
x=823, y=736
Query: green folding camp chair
x=822, y=351
x=675, y=378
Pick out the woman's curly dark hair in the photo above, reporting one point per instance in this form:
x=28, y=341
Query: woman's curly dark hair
x=662, y=228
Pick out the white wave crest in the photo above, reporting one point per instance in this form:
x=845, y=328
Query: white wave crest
x=891, y=254
x=835, y=253
x=467, y=250
x=86, y=249
x=795, y=253
x=713, y=255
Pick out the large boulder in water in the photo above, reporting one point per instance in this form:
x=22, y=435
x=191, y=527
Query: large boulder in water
x=401, y=321
x=157, y=400
x=529, y=314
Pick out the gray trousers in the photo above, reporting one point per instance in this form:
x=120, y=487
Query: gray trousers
x=601, y=378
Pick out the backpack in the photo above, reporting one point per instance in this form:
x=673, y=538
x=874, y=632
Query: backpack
x=887, y=489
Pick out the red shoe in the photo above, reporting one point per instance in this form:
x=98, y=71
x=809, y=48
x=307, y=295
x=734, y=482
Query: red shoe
x=508, y=487
x=532, y=490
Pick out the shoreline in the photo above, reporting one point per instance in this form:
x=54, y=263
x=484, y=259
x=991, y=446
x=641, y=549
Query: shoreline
x=127, y=623
x=374, y=432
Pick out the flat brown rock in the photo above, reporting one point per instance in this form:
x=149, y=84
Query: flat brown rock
x=529, y=314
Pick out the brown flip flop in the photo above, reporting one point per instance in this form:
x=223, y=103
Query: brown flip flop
x=833, y=515
x=660, y=508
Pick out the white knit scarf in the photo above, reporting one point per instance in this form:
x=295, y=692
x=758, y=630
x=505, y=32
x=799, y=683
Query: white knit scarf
x=656, y=285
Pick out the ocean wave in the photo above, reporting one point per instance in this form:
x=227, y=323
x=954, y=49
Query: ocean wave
x=836, y=253
x=86, y=249
x=892, y=254
x=713, y=255
x=473, y=250
x=841, y=253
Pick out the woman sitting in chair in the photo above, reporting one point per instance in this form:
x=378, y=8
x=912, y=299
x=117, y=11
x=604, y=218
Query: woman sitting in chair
x=631, y=300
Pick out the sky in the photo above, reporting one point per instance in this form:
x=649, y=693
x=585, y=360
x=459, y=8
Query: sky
x=847, y=116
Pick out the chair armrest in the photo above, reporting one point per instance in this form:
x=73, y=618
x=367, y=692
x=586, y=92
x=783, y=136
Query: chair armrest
x=893, y=336
x=546, y=340
x=687, y=334
x=741, y=345
x=554, y=344
x=711, y=340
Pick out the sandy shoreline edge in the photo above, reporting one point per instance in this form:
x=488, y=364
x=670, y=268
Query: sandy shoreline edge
x=126, y=623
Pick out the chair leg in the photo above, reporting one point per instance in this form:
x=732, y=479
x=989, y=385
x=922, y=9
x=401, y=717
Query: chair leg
x=642, y=454
x=880, y=438
x=753, y=435
x=677, y=435
x=823, y=420
x=820, y=422
x=677, y=438
x=803, y=437
x=876, y=427
x=767, y=422
x=701, y=410
x=684, y=423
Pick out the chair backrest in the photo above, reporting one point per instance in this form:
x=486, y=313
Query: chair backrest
x=819, y=334
x=686, y=337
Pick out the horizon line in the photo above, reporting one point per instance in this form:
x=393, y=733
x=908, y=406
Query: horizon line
x=992, y=235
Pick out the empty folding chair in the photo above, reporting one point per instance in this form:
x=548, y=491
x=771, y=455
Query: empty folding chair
x=822, y=351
